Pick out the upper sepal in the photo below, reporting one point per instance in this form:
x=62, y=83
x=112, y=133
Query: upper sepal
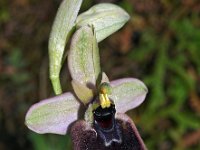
x=83, y=58
x=53, y=115
x=127, y=93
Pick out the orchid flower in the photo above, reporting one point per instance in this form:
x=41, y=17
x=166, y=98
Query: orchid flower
x=104, y=102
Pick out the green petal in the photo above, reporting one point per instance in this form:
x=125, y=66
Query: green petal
x=127, y=93
x=83, y=58
x=106, y=19
x=61, y=30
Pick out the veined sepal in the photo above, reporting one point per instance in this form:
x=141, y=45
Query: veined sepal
x=53, y=115
x=61, y=30
x=83, y=57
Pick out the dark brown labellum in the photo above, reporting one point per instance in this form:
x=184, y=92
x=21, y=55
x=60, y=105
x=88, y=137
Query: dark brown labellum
x=87, y=137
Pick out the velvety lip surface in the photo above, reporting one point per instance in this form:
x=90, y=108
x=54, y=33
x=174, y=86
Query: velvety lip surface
x=85, y=137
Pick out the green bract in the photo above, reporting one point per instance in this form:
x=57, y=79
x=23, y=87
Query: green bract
x=106, y=19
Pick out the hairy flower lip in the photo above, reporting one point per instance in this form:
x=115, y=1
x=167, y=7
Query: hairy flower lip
x=85, y=137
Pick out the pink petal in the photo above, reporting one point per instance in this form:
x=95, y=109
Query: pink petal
x=53, y=115
x=127, y=93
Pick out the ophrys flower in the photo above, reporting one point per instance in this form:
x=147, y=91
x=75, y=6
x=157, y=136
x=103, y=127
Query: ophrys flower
x=100, y=97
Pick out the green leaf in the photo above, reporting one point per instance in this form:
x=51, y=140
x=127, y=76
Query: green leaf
x=61, y=30
x=106, y=19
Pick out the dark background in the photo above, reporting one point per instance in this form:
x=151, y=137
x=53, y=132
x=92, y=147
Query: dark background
x=160, y=45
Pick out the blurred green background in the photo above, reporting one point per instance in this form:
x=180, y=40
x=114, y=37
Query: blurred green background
x=159, y=45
